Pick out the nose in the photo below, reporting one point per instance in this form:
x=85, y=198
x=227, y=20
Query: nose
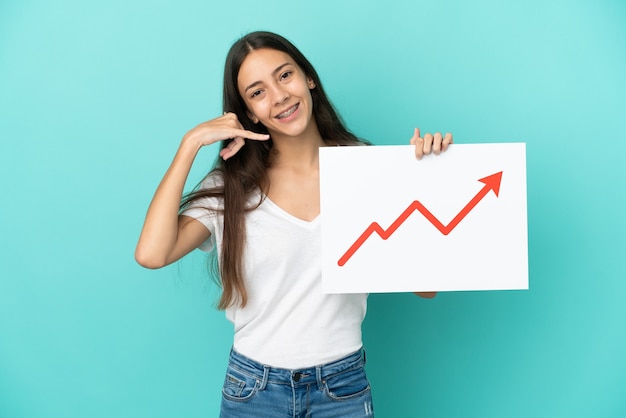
x=279, y=95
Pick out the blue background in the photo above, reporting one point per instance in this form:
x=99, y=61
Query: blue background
x=95, y=96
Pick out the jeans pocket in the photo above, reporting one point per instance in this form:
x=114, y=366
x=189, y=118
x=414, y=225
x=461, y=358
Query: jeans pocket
x=239, y=386
x=346, y=385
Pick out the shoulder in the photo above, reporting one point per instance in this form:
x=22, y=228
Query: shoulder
x=213, y=180
x=207, y=194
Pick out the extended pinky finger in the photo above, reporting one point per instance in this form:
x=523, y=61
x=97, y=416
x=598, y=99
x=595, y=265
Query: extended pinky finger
x=232, y=148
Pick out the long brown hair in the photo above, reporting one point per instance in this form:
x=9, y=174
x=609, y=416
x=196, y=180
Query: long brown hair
x=245, y=173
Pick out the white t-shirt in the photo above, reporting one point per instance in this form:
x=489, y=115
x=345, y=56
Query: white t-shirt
x=288, y=322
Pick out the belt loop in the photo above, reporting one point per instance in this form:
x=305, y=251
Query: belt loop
x=266, y=373
x=319, y=377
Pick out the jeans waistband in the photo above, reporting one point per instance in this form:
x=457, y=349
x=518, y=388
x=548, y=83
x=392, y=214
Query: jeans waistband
x=268, y=374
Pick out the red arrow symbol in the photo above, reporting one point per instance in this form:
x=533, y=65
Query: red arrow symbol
x=492, y=182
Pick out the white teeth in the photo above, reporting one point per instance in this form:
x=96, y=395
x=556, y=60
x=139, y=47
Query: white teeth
x=287, y=113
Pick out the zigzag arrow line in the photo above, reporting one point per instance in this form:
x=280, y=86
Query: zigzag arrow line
x=492, y=182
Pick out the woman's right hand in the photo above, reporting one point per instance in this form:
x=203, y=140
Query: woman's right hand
x=222, y=128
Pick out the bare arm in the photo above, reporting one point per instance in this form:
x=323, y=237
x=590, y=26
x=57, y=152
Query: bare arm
x=166, y=236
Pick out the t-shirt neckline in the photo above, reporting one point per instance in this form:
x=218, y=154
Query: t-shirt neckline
x=294, y=219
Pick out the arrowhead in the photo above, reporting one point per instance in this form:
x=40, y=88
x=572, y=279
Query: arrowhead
x=492, y=182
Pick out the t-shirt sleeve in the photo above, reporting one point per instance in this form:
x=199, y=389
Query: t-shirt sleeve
x=201, y=215
x=206, y=211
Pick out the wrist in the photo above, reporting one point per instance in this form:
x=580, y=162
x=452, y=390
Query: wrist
x=191, y=143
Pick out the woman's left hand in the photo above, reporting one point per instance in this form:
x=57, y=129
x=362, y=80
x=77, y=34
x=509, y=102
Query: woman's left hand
x=430, y=143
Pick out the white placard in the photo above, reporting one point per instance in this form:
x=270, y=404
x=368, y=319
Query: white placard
x=392, y=223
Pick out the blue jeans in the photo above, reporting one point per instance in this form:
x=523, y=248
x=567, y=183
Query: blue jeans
x=337, y=389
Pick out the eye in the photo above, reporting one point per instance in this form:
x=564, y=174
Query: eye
x=285, y=75
x=255, y=93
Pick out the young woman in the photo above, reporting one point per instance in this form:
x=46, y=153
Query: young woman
x=297, y=351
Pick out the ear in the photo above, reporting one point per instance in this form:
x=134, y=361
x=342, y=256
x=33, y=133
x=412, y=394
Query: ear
x=310, y=83
x=253, y=118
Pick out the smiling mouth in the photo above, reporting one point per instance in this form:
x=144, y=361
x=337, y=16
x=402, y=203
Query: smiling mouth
x=288, y=112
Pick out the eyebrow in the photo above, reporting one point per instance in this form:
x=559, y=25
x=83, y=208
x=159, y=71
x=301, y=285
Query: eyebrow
x=276, y=70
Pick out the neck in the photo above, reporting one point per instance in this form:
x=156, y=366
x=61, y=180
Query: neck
x=299, y=151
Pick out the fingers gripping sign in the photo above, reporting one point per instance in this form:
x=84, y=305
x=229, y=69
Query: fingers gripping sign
x=430, y=143
x=223, y=128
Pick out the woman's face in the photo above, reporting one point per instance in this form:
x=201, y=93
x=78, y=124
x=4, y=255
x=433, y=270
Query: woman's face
x=276, y=92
